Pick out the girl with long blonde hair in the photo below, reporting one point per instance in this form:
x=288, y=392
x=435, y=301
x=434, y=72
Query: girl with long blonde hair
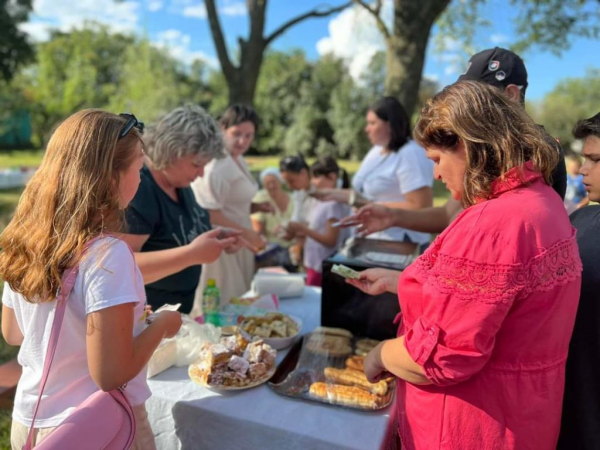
x=89, y=174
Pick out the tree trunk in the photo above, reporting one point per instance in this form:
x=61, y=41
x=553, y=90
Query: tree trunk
x=243, y=78
x=406, y=46
x=243, y=85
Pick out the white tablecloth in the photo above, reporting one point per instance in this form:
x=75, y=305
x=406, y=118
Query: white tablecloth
x=184, y=415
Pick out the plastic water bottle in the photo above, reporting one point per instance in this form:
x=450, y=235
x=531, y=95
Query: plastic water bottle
x=211, y=300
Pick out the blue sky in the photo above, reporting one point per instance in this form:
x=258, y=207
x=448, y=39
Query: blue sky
x=182, y=27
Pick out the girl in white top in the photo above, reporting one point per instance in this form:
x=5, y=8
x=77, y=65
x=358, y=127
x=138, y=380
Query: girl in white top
x=322, y=238
x=395, y=172
x=226, y=190
x=90, y=173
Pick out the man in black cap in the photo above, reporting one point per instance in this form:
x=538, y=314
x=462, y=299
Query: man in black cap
x=506, y=70
x=498, y=67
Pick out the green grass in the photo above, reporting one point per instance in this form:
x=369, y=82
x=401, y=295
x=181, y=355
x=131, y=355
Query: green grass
x=8, y=202
x=7, y=352
x=20, y=158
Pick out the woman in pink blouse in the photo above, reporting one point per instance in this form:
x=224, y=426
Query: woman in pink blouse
x=488, y=309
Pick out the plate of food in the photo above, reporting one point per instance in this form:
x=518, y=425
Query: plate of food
x=327, y=366
x=276, y=329
x=233, y=364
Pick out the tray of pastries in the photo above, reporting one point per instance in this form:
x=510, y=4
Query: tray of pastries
x=327, y=366
x=234, y=363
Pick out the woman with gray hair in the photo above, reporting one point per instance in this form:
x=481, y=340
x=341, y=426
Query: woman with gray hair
x=170, y=234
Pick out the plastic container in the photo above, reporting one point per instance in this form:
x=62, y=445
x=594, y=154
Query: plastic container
x=211, y=301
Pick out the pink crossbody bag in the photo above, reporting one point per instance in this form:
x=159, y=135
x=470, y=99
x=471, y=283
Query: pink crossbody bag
x=105, y=420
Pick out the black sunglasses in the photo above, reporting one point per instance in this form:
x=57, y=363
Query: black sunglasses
x=131, y=123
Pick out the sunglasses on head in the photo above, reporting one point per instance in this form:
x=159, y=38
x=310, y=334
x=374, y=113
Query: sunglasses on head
x=131, y=123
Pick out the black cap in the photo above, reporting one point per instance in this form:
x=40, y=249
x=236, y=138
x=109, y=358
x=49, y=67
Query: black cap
x=498, y=67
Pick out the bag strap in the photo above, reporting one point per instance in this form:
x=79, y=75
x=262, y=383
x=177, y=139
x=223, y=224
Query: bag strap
x=68, y=281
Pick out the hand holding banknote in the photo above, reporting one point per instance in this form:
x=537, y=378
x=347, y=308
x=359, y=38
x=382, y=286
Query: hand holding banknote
x=376, y=281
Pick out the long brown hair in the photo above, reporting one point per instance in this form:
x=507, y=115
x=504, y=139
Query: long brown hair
x=72, y=198
x=497, y=133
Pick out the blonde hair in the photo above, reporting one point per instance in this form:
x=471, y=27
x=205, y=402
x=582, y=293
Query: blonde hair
x=72, y=198
x=497, y=133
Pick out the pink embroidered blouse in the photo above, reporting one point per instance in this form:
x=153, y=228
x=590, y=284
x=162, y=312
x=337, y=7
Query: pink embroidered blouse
x=488, y=312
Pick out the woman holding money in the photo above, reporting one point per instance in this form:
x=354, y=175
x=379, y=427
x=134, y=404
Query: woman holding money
x=488, y=309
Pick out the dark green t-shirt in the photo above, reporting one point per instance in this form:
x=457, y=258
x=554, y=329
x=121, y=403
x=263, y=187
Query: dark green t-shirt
x=170, y=224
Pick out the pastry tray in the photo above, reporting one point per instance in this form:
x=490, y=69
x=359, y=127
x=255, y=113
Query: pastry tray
x=300, y=368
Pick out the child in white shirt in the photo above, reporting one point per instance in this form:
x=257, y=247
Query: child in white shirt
x=90, y=172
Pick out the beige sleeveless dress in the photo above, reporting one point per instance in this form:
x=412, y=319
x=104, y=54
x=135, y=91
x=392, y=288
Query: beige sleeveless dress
x=228, y=187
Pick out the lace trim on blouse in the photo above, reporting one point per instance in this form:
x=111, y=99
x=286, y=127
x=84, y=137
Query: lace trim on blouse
x=494, y=283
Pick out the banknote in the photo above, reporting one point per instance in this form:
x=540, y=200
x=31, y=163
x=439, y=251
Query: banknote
x=345, y=272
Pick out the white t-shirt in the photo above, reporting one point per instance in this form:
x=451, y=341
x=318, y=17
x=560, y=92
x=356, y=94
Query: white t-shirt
x=389, y=177
x=303, y=205
x=314, y=252
x=107, y=277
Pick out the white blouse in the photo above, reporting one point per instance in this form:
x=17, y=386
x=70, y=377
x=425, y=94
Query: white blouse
x=389, y=177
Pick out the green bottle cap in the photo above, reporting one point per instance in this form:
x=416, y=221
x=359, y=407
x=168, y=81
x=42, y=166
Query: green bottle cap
x=211, y=282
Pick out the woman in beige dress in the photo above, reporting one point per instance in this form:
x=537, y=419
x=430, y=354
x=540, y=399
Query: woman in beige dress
x=226, y=191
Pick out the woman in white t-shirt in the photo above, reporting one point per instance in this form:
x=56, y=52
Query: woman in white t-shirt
x=395, y=172
x=89, y=174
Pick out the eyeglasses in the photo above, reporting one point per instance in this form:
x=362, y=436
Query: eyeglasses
x=131, y=123
x=292, y=164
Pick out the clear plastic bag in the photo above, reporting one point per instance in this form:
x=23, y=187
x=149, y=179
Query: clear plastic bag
x=190, y=339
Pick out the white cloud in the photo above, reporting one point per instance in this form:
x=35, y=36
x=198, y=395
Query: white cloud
x=67, y=14
x=197, y=11
x=229, y=8
x=498, y=39
x=37, y=31
x=155, y=5
x=452, y=69
x=234, y=9
x=452, y=45
x=354, y=36
x=177, y=44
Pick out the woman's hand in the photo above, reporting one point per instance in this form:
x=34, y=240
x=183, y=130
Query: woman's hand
x=374, y=368
x=239, y=241
x=376, y=281
x=296, y=231
x=263, y=207
x=336, y=195
x=370, y=219
x=255, y=240
x=207, y=247
x=296, y=228
x=169, y=321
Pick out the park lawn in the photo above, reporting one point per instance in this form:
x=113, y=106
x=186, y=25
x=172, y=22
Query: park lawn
x=20, y=158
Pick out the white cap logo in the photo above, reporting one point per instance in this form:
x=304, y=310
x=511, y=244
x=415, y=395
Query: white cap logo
x=467, y=69
x=494, y=65
x=500, y=75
